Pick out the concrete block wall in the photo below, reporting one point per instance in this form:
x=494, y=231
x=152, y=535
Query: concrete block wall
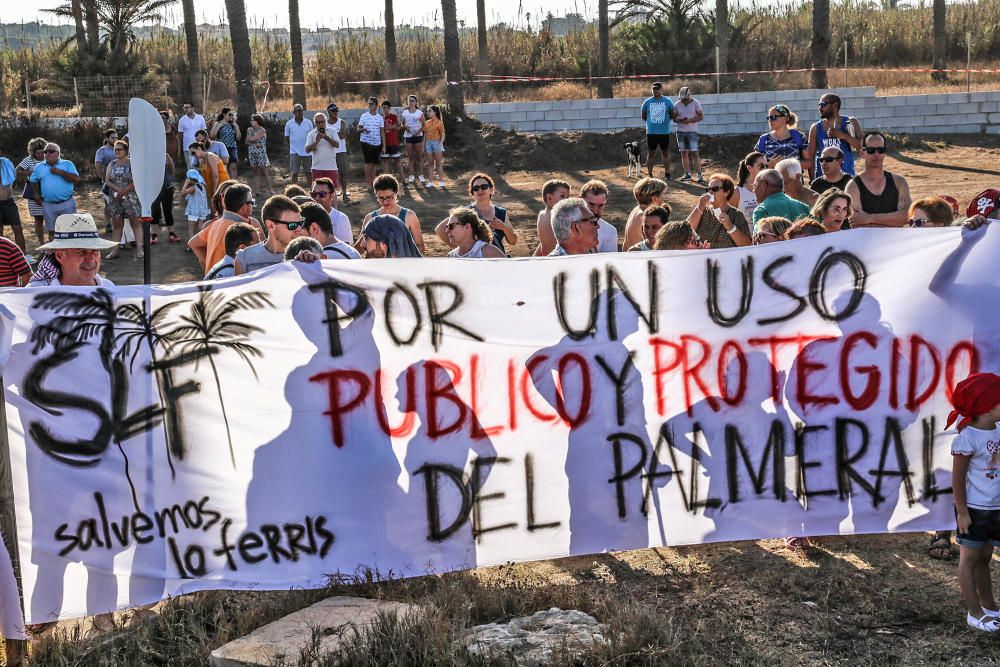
x=744, y=113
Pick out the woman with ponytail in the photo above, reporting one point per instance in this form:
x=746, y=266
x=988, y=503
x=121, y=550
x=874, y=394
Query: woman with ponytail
x=783, y=140
x=743, y=197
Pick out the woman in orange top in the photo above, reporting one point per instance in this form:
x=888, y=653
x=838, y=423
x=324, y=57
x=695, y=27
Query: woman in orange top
x=434, y=145
x=211, y=167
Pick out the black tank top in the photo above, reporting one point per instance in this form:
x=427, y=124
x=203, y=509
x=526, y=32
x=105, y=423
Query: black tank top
x=887, y=202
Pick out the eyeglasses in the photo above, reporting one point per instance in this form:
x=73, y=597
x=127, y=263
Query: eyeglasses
x=871, y=150
x=713, y=188
x=773, y=117
x=320, y=195
x=385, y=197
x=293, y=225
x=480, y=187
x=918, y=222
x=830, y=159
x=824, y=104
x=50, y=150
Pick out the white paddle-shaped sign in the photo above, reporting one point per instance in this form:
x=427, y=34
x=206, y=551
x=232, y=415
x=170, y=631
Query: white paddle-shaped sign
x=147, y=150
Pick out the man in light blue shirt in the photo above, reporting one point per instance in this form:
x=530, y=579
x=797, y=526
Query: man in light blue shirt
x=55, y=179
x=658, y=111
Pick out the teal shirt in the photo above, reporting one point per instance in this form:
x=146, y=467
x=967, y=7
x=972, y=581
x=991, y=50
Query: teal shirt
x=781, y=205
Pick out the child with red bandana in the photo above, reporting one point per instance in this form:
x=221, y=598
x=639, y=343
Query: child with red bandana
x=976, y=485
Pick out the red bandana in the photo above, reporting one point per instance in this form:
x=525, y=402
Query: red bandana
x=974, y=396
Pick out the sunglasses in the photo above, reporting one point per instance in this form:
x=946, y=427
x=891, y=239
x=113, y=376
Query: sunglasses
x=871, y=150
x=824, y=104
x=451, y=225
x=592, y=220
x=713, y=188
x=830, y=159
x=320, y=195
x=194, y=153
x=480, y=187
x=385, y=197
x=50, y=150
x=918, y=222
x=292, y=226
x=250, y=202
x=773, y=117
x=696, y=240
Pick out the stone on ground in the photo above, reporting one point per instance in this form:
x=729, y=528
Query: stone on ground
x=537, y=639
x=284, y=639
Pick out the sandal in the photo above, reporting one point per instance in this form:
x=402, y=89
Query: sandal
x=153, y=239
x=940, y=547
x=797, y=543
x=173, y=238
x=986, y=624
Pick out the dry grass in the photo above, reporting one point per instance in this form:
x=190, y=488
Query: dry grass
x=849, y=600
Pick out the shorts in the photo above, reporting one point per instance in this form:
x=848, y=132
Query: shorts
x=419, y=139
x=332, y=174
x=54, y=209
x=983, y=531
x=391, y=153
x=371, y=152
x=655, y=141
x=9, y=214
x=234, y=155
x=299, y=164
x=687, y=141
x=431, y=146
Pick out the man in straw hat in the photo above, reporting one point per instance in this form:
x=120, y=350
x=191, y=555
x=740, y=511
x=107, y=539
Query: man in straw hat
x=73, y=258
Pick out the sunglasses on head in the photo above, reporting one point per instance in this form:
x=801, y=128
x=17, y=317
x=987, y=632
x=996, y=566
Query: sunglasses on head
x=830, y=159
x=871, y=150
x=713, y=188
x=481, y=186
x=320, y=195
x=293, y=225
x=918, y=222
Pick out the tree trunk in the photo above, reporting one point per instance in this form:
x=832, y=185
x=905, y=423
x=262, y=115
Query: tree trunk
x=298, y=70
x=93, y=27
x=452, y=58
x=722, y=32
x=81, y=35
x=605, y=88
x=820, y=42
x=940, y=41
x=246, y=105
x=196, y=88
x=392, y=70
x=483, y=65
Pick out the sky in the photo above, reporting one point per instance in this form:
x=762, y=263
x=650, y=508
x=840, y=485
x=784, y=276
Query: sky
x=274, y=13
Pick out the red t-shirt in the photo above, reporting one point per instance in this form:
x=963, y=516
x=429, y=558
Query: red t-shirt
x=12, y=263
x=392, y=136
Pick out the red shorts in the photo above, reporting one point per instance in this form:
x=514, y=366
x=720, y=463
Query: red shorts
x=332, y=174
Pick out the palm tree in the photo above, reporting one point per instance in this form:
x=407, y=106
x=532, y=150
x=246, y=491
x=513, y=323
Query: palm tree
x=722, y=32
x=196, y=89
x=93, y=22
x=392, y=70
x=117, y=20
x=605, y=88
x=81, y=35
x=452, y=58
x=246, y=105
x=940, y=41
x=820, y=42
x=210, y=327
x=483, y=64
x=295, y=37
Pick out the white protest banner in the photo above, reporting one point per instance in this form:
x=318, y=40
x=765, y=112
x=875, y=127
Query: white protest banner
x=425, y=415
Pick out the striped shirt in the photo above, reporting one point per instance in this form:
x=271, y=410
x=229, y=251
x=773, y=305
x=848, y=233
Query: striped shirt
x=12, y=263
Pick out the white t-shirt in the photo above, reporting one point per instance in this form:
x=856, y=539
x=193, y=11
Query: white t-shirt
x=372, y=124
x=188, y=127
x=324, y=154
x=341, y=225
x=607, y=236
x=340, y=250
x=687, y=110
x=748, y=202
x=336, y=128
x=297, y=133
x=413, y=122
x=982, y=485
x=99, y=281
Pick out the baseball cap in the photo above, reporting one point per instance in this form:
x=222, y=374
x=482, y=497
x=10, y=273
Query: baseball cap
x=657, y=85
x=683, y=92
x=985, y=203
x=332, y=107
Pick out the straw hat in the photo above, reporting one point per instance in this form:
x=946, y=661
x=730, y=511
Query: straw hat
x=77, y=230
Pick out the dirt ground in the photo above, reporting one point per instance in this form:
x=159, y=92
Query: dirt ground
x=853, y=600
x=960, y=165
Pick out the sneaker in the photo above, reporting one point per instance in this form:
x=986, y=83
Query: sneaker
x=986, y=623
x=345, y=197
x=422, y=179
x=410, y=179
x=701, y=179
x=685, y=178
x=440, y=184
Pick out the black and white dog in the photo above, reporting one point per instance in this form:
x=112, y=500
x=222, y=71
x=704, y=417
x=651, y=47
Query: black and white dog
x=634, y=155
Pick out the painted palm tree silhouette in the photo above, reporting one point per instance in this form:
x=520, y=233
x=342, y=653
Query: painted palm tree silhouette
x=210, y=327
x=79, y=318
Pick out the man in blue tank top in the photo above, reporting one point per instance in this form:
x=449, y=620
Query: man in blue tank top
x=833, y=129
